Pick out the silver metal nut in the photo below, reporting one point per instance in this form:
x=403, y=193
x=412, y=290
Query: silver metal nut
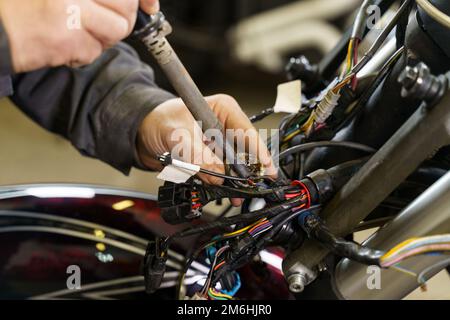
x=297, y=283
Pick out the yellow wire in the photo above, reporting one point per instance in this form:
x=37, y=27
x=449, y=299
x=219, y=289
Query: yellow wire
x=398, y=248
x=309, y=122
x=218, y=294
x=402, y=245
x=243, y=229
x=307, y=126
x=292, y=135
x=349, y=55
x=424, y=250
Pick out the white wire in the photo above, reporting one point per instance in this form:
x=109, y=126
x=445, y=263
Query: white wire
x=434, y=12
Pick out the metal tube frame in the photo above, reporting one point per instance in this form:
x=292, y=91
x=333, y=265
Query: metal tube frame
x=427, y=215
x=427, y=130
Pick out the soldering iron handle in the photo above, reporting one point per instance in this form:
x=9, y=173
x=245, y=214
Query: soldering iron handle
x=150, y=29
x=142, y=21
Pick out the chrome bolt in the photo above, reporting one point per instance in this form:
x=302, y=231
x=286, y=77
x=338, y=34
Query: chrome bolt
x=297, y=283
x=419, y=83
x=408, y=77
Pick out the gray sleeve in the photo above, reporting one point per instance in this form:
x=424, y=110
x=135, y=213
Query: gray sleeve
x=5, y=55
x=99, y=108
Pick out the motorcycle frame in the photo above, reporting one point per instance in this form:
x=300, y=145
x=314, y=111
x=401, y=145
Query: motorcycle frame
x=426, y=131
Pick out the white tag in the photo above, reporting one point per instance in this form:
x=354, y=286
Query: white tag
x=177, y=175
x=289, y=97
x=187, y=166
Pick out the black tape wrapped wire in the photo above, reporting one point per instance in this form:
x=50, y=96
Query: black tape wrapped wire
x=318, y=230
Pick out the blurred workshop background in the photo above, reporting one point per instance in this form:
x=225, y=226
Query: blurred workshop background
x=238, y=47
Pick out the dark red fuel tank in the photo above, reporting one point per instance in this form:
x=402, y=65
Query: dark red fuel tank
x=53, y=237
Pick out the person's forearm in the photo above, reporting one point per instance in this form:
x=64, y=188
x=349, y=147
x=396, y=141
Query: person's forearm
x=98, y=108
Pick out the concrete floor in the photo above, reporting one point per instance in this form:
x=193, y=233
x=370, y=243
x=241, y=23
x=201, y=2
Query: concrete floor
x=32, y=155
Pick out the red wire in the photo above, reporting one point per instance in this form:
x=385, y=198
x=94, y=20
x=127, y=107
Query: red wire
x=301, y=184
x=219, y=265
x=355, y=52
x=292, y=196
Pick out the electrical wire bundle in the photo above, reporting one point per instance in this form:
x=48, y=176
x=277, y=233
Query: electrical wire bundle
x=207, y=290
x=416, y=246
x=252, y=232
x=263, y=226
x=328, y=100
x=196, y=205
x=438, y=244
x=249, y=240
x=238, y=239
x=314, y=117
x=298, y=129
x=234, y=181
x=359, y=26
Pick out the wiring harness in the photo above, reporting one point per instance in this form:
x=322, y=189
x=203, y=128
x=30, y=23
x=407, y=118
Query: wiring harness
x=234, y=247
x=229, y=243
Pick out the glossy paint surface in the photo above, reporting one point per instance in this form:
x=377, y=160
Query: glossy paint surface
x=46, y=230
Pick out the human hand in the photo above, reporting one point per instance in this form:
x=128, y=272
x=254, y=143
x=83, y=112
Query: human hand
x=48, y=33
x=171, y=126
x=150, y=6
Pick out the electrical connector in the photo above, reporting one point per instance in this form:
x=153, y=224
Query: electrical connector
x=154, y=266
x=165, y=159
x=177, y=202
x=326, y=107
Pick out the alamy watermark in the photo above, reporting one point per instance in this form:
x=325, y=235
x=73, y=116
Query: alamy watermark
x=373, y=281
x=73, y=21
x=374, y=17
x=73, y=281
x=188, y=144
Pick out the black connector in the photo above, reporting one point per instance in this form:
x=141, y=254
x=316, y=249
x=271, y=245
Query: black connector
x=242, y=251
x=154, y=265
x=171, y=194
x=175, y=201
